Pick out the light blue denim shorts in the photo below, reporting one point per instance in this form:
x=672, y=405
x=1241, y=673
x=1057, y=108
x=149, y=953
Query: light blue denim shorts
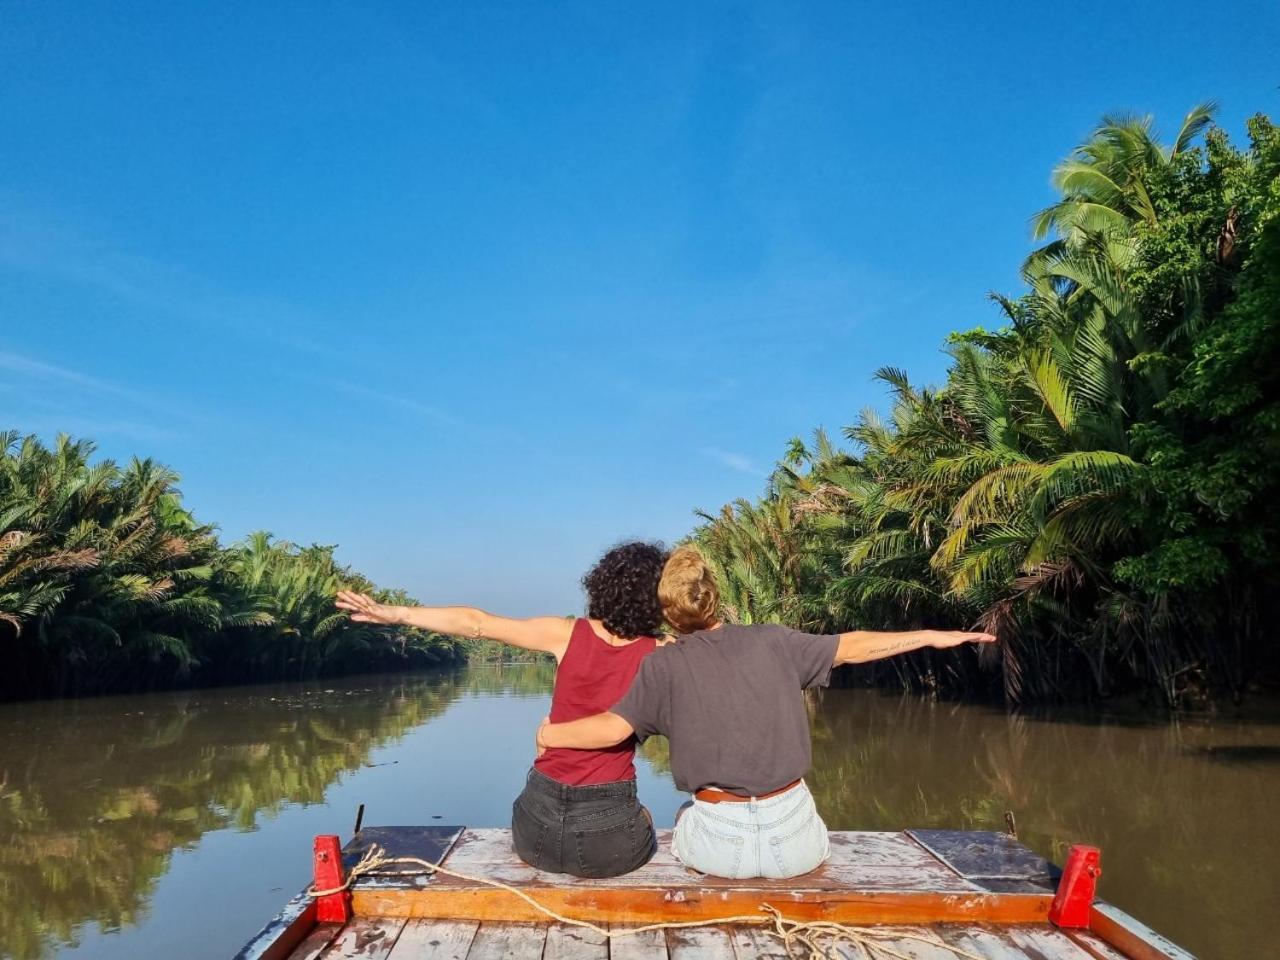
x=778, y=838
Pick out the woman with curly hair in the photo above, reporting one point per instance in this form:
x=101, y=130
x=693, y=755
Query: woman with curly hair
x=578, y=813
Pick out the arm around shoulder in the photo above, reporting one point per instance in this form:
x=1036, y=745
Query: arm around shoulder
x=589, y=733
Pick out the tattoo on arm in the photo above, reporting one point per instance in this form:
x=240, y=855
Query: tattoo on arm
x=892, y=647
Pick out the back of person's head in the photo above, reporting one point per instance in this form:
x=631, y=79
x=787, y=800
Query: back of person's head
x=622, y=589
x=688, y=592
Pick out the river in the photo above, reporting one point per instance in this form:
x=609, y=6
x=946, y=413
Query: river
x=175, y=824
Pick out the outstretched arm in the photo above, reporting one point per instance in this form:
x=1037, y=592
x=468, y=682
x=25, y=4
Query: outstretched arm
x=864, y=646
x=590, y=733
x=547, y=634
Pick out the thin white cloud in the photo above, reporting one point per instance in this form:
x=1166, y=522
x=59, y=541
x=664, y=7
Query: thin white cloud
x=734, y=461
x=425, y=409
x=34, y=244
x=39, y=370
x=66, y=392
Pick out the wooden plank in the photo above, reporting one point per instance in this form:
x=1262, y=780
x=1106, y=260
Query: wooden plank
x=437, y=939
x=990, y=943
x=935, y=878
x=364, y=938
x=1097, y=948
x=1049, y=943
x=701, y=943
x=1130, y=937
x=650, y=945
x=659, y=904
x=314, y=944
x=750, y=942
x=575, y=943
x=869, y=861
x=283, y=932
x=916, y=943
x=425, y=843
x=1020, y=943
x=508, y=941
x=984, y=855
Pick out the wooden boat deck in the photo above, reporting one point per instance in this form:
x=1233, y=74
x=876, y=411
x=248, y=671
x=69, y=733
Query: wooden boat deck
x=981, y=892
x=396, y=939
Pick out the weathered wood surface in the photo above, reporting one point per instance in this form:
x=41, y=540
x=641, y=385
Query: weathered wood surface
x=872, y=861
x=650, y=945
x=1096, y=947
x=277, y=939
x=700, y=943
x=509, y=941
x=756, y=942
x=1130, y=937
x=364, y=938
x=316, y=942
x=870, y=878
x=912, y=887
x=994, y=861
x=576, y=943
x=438, y=939
x=469, y=940
x=424, y=842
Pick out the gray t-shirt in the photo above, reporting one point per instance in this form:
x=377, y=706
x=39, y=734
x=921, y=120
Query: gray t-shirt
x=729, y=700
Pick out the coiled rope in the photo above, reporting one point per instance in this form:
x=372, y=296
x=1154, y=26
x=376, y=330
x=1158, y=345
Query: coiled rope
x=819, y=939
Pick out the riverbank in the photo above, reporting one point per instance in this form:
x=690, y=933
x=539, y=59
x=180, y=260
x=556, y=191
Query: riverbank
x=1095, y=482
x=108, y=583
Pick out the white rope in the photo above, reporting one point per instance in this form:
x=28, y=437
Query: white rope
x=810, y=935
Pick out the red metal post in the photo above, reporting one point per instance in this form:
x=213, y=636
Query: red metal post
x=327, y=864
x=1071, y=904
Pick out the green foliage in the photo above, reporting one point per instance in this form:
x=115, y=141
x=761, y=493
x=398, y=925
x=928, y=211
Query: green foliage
x=107, y=582
x=1097, y=482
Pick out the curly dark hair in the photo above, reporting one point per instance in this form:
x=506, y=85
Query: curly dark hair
x=622, y=589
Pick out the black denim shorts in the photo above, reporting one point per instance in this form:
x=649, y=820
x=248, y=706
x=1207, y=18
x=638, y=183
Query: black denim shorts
x=595, y=831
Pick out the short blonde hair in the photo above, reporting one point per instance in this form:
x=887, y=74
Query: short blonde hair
x=687, y=591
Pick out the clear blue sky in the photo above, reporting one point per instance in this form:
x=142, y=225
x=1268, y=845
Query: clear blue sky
x=474, y=289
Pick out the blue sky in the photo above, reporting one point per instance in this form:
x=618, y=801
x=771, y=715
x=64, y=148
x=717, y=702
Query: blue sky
x=475, y=290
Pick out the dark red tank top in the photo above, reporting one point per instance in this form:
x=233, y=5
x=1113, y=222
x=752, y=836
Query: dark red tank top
x=592, y=677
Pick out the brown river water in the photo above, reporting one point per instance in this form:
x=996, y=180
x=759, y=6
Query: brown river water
x=175, y=824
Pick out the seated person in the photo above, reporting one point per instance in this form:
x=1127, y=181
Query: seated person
x=579, y=813
x=729, y=699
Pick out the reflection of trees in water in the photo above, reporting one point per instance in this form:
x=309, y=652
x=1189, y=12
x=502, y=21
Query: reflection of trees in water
x=657, y=750
x=96, y=795
x=1185, y=834
x=533, y=679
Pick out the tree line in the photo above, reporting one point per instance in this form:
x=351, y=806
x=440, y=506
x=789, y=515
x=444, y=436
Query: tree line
x=108, y=583
x=1095, y=481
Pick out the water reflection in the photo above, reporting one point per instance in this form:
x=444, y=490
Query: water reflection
x=1182, y=810
x=96, y=795
x=99, y=799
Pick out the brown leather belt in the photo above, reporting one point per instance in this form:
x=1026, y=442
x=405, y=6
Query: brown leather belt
x=712, y=795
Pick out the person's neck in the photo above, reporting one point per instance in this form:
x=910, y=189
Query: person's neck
x=609, y=637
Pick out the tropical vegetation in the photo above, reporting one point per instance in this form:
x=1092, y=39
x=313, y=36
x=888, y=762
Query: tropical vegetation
x=107, y=582
x=1097, y=482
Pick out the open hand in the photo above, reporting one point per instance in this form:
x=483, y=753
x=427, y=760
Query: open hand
x=942, y=639
x=365, y=609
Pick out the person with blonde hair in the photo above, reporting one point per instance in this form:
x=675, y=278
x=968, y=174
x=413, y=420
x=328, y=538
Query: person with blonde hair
x=728, y=697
